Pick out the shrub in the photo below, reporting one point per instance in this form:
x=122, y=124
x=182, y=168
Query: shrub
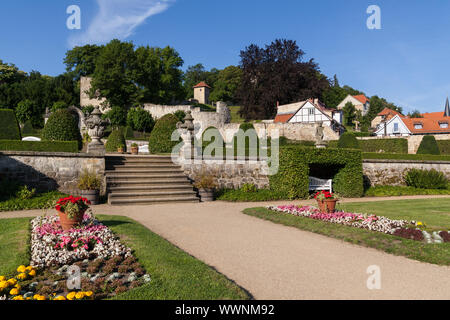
x=348, y=140
x=249, y=187
x=292, y=178
x=428, y=146
x=384, y=145
x=444, y=146
x=398, y=156
x=205, y=181
x=27, y=129
x=426, y=179
x=9, y=127
x=180, y=114
x=117, y=116
x=39, y=146
x=89, y=181
x=140, y=120
x=59, y=105
x=24, y=193
x=115, y=140
x=129, y=133
x=160, y=138
x=246, y=126
x=62, y=126
x=24, y=110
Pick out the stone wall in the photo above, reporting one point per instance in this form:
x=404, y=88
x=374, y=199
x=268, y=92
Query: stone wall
x=230, y=174
x=85, y=100
x=391, y=172
x=49, y=171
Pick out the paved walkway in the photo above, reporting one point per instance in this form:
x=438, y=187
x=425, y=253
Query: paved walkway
x=277, y=262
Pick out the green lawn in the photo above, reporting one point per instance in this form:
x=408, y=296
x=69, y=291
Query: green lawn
x=39, y=201
x=235, y=117
x=434, y=212
x=175, y=274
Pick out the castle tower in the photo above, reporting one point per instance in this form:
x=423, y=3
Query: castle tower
x=201, y=92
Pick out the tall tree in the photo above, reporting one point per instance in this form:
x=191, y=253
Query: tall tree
x=276, y=73
x=115, y=72
x=227, y=84
x=349, y=112
x=81, y=61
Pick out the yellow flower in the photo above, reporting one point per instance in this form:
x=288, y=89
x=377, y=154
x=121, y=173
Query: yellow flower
x=12, y=282
x=4, y=285
x=22, y=276
x=32, y=273
x=60, y=298
x=2, y=278
x=71, y=296
x=36, y=296
x=29, y=268
x=14, y=292
x=18, y=287
x=89, y=294
x=80, y=295
x=41, y=298
x=18, y=298
x=21, y=269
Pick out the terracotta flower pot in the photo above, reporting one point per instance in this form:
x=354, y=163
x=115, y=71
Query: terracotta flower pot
x=322, y=206
x=331, y=205
x=206, y=195
x=134, y=150
x=67, y=223
x=120, y=150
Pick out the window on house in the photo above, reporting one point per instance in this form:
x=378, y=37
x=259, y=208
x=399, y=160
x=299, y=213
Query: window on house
x=418, y=126
x=311, y=111
x=443, y=125
x=396, y=127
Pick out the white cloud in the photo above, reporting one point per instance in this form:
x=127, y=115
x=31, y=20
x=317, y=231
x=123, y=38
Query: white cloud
x=118, y=19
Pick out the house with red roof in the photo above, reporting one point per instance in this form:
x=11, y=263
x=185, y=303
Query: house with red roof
x=201, y=92
x=385, y=115
x=310, y=111
x=360, y=102
x=429, y=124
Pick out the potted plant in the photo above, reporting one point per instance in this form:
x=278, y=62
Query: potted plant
x=90, y=184
x=134, y=148
x=326, y=201
x=120, y=148
x=206, y=185
x=71, y=211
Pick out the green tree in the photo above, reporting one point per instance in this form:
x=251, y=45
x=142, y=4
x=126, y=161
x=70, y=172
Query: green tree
x=114, y=74
x=227, y=84
x=140, y=120
x=81, y=61
x=415, y=114
x=428, y=146
x=349, y=112
x=9, y=73
x=24, y=111
x=192, y=76
x=62, y=126
x=117, y=116
x=58, y=106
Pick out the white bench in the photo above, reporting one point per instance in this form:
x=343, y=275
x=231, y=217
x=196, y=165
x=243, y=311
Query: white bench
x=316, y=184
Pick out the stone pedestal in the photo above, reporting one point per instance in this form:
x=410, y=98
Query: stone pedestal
x=96, y=148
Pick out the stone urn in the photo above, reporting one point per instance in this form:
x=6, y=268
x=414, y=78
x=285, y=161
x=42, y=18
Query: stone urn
x=92, y=195
x=206, y=195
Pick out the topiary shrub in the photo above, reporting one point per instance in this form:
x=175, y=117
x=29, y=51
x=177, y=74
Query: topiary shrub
x=426, y=179
x=428, y=146
x=444, y=146
x=129, y=133
x=180, y=114
x=62, y=126
x=160, y=138
x=9, y=127
x=348, y=141
x=27, y=129
x=115, y=140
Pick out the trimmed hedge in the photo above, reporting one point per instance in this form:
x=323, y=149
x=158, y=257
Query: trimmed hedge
x=348, y=140
x=115, y=140
x=428, y=146
x=444, y=146
x=295, y=163
x=399, y=156
x=160, y=138
x=62, y=126
x=375, y=145
x=9, y=127
x=39, y=146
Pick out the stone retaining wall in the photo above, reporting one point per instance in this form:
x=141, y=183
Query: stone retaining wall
x=391, y=172
x=49, y=171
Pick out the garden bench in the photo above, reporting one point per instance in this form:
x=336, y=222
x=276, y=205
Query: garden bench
x=316, y=184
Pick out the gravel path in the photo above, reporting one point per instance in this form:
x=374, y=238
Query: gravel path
x=277, y=262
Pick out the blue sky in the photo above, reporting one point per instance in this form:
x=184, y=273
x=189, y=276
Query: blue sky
x=407, y=61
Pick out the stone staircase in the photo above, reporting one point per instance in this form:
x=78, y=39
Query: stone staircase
x=144, y=180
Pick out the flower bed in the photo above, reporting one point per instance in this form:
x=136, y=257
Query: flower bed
x=86, y=262
x=402, y=228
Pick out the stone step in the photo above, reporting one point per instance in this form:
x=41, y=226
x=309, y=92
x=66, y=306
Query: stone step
x=152, y=171
x=156, y=187
x=152, y=194
x=142, y=166
x=145, y=201
x=140, y=183
x=147, y=176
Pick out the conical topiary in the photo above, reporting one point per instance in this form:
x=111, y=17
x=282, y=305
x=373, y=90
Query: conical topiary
x=428, y=146
x=62, y=126
x=348, y=141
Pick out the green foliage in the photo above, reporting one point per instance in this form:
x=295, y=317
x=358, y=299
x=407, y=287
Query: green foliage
x=160, y=138
x=395, y=191
x=39, y=146
x=38, y=201
x=140, y=120
x=348, y=140
x=428, y=146
x=129, y=133
x=386, y=145
x=349, y=113
x=58, y=106
x=295, y=163
x=27, y=129
x=24, y=193
x=397, y=156
x=227, y=84
x=426, y=179
x=117, y=116
x=444, y=146
x=87, y=110
x=9, y=127
x=81, y=61
x=115, y=140
x=62, y=126
x=241, y=195
x=180, y=114
x=24, y=110
x=89, y=180
x=377, y=105
x=249, y=187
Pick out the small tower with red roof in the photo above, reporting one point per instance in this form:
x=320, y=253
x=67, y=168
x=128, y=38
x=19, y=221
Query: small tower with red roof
x=201, y=92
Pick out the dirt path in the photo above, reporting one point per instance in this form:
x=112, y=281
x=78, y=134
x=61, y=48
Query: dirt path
x=278, y=262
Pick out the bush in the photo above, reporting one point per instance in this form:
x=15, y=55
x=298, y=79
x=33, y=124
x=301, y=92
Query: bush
x=295, y=163
x=160, y=138
x=89, y=181
x=129, y=133
x=39, y=146
x=140, y=120
x=428, y=146
x=348, y=140
x=24, y=110
x=62, y=126
x=117, y=116
x=385, y=145
x=24, y=193
x=9, y=127
x=426, y=179
x=115, y=140
x=444, y=146
x=39, y=201
x=180, y=114
x=27, y=129
x=393, y=191
x=58, y=106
